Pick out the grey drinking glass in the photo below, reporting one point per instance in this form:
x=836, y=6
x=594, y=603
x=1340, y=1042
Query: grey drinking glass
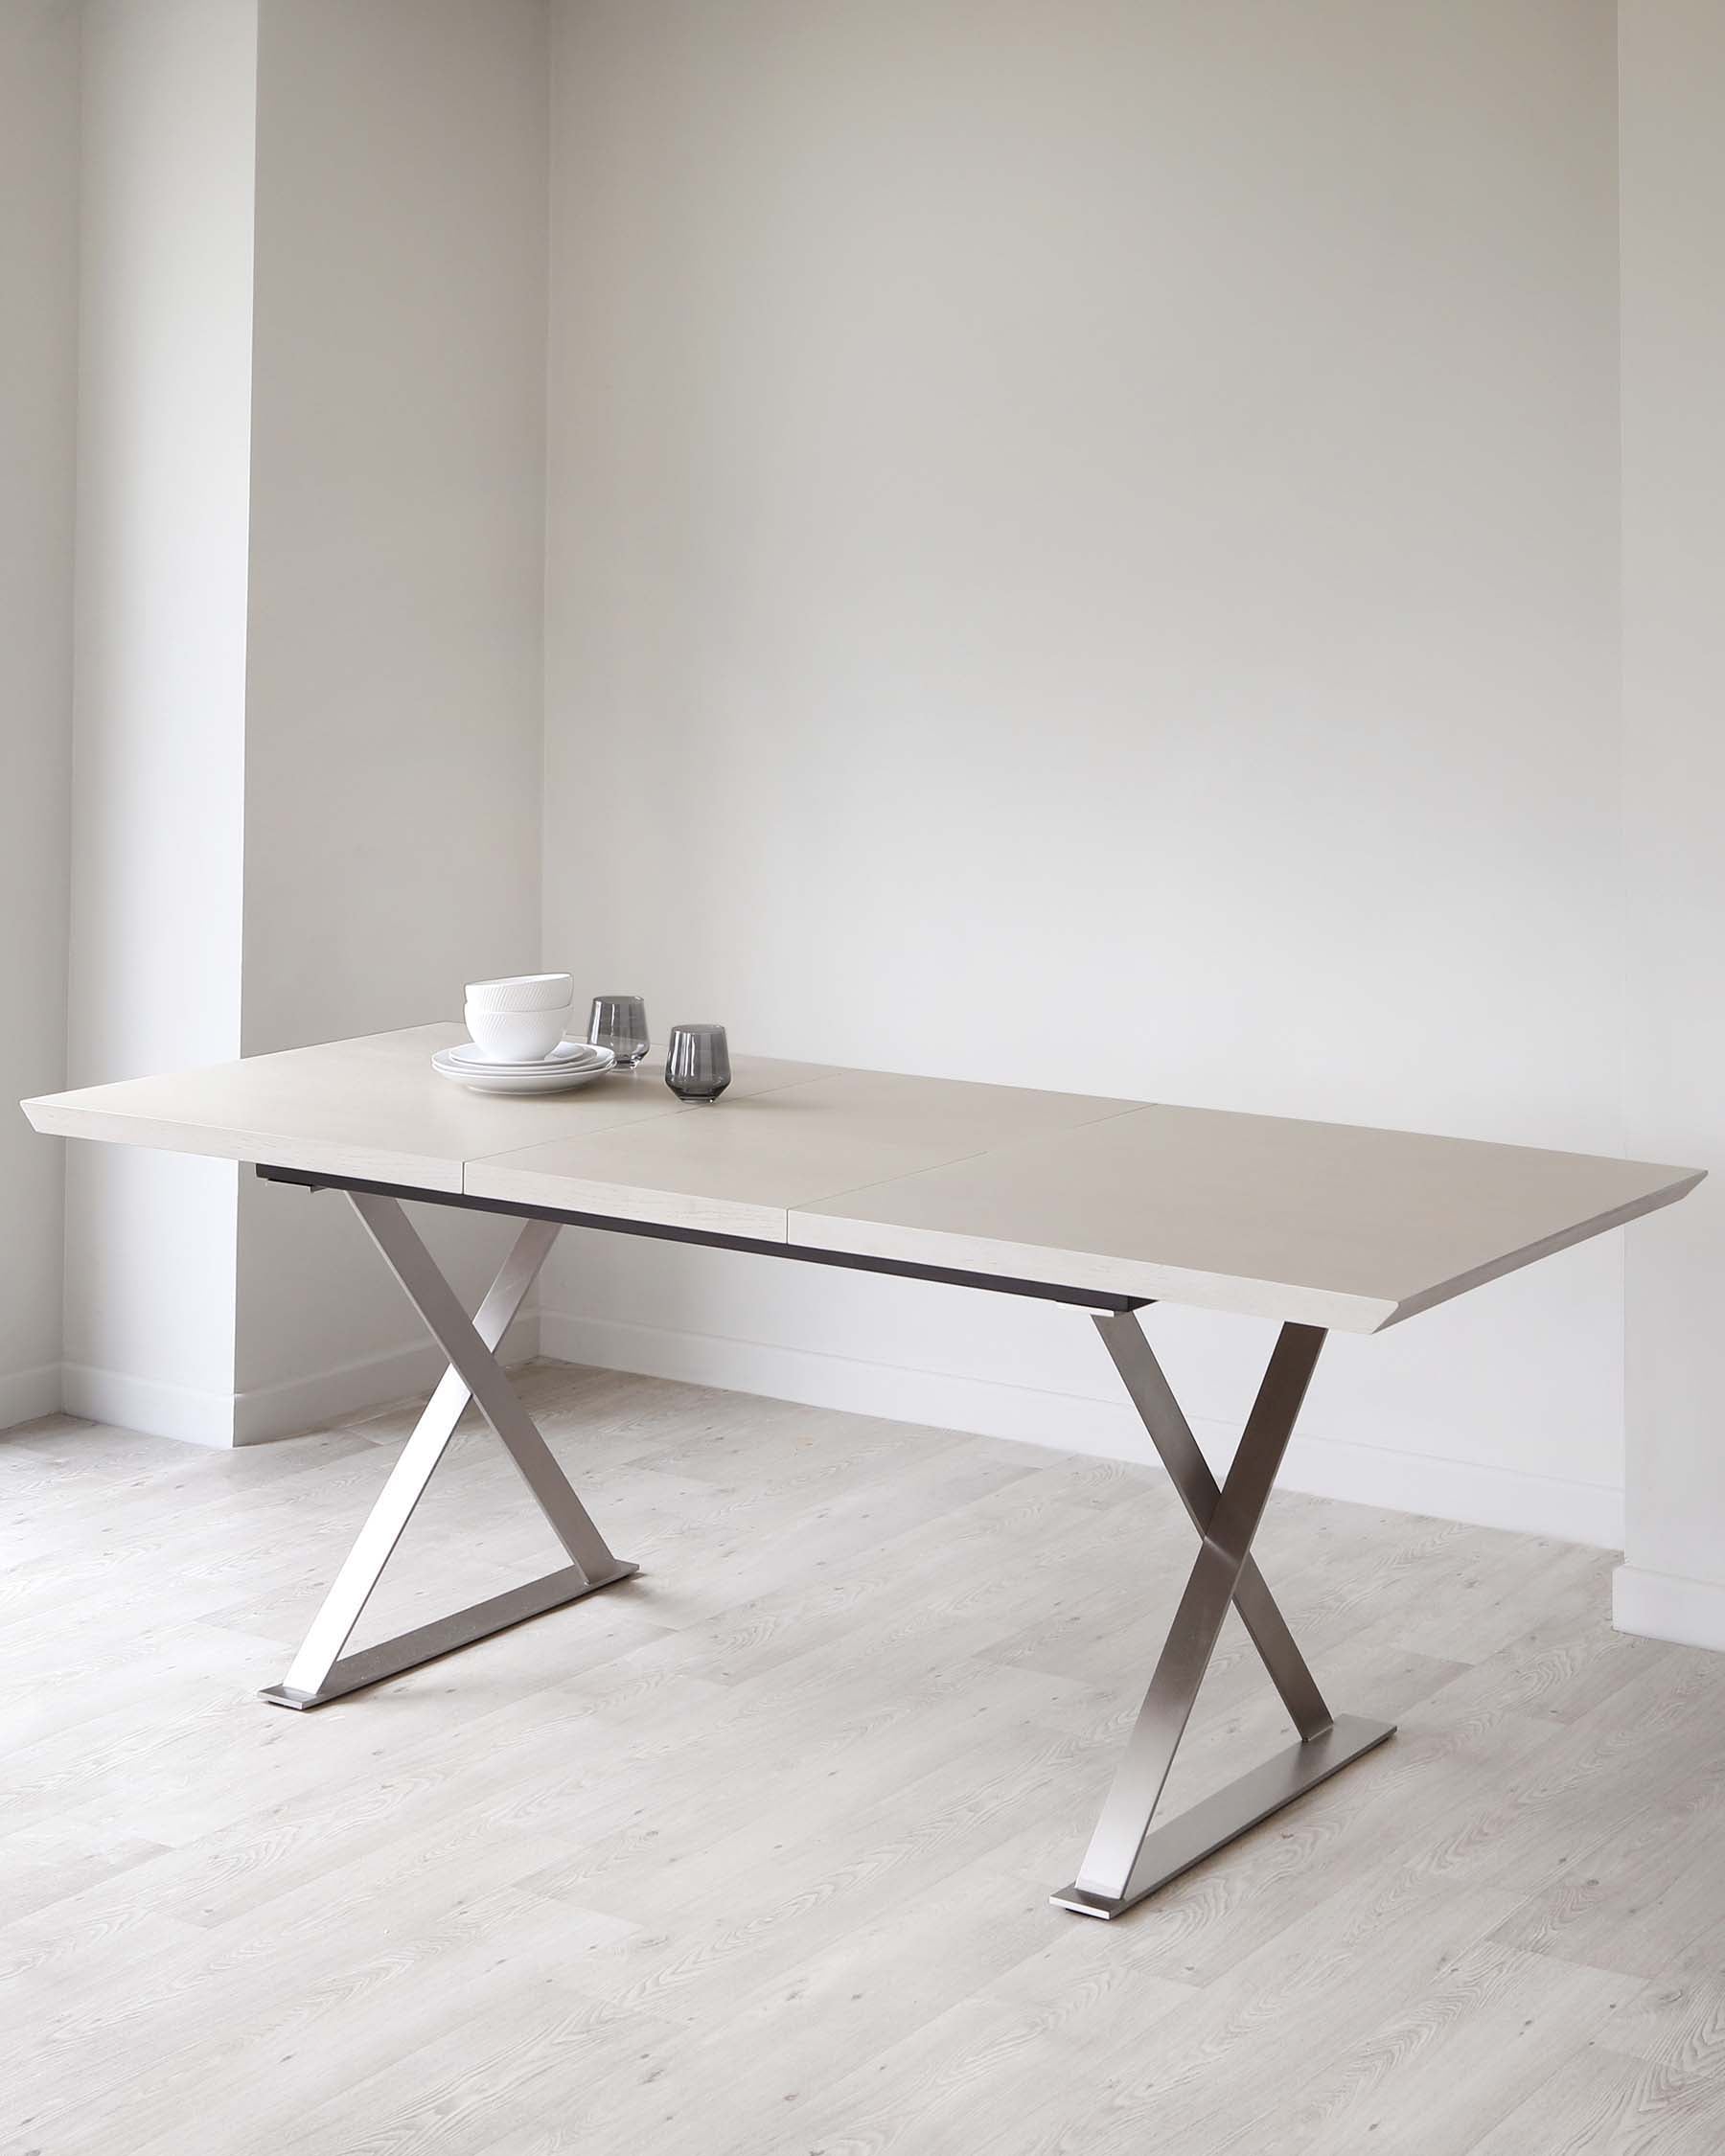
x=698, y=1062
x=619, y=1024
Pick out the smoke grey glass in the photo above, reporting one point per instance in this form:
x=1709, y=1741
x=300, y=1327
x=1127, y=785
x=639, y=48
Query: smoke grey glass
x=619, y=1024
x=698, y=1062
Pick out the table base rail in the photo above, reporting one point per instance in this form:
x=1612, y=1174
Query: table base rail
x=407, y=1650
x=1227, y=1813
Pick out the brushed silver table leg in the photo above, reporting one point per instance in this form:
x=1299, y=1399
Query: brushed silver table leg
x=1125, y=1861
x=320, y=1671
x=1163, y=1416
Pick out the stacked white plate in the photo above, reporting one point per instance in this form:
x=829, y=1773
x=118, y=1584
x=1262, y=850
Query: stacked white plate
x=570, y=1063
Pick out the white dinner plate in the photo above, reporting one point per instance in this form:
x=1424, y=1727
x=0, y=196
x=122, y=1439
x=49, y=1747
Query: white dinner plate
x=571, y=1063
x=567, y=1055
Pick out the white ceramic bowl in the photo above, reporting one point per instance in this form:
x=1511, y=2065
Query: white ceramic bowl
x=516, y=1036
x=521, y=992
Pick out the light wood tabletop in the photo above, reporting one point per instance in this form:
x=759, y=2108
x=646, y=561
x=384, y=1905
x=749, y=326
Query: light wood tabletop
x=1319, y=1224
x=371, y=1106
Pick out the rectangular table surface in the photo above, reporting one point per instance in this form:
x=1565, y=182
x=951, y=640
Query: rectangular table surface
x=1321, y=1224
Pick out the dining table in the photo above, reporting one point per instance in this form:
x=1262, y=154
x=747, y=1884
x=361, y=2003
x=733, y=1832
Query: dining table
x=1107, y=1207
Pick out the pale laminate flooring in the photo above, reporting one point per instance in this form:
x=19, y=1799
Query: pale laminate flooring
x=751, y=1855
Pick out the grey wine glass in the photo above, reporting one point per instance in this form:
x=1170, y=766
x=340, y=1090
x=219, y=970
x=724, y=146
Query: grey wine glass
x=698, y=1062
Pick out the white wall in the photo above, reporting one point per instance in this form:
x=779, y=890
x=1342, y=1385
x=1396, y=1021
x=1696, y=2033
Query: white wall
x=1673, y=330
x=1082, y=550
x=163, y=455
x=39, y=351
x=310, y=578
x=393, y=693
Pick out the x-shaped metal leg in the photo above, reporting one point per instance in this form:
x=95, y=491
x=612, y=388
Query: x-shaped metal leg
x=320, y=1671
x=1126, y=1861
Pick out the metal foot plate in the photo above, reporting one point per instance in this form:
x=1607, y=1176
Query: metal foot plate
x=370, y=1666
x=1231, y=1812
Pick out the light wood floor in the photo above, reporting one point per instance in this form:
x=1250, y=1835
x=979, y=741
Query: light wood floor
x=752, y=1854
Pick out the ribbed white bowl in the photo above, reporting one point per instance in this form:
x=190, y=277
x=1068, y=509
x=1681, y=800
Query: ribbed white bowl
x=515, y=1036
x=521, y=992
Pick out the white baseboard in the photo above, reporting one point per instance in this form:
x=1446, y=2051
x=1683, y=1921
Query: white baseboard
x=148, y=1404
x=1451, y=1490
x=26, y=1394
x=352, y=1389
x=1375, y=1474
x=1666, y=1606
x=268, y=1411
